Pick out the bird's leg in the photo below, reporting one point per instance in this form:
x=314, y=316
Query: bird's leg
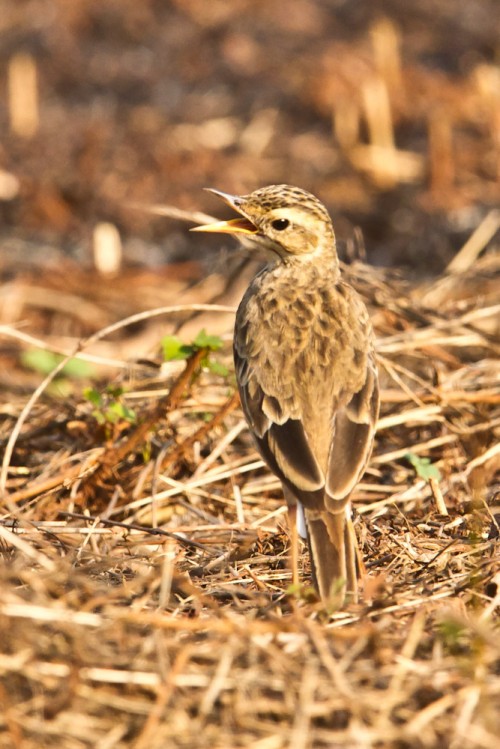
x=355, y=566
x=294, y=543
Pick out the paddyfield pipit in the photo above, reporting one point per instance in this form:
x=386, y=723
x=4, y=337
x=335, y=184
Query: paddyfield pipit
x=304, y=359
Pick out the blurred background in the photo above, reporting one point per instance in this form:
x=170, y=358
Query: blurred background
x=390, y=112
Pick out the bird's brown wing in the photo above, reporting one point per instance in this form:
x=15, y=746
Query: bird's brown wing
x=281, y=440
x=352, y=440
x=284, y=445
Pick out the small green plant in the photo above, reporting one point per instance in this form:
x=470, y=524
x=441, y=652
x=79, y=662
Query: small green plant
x=109, y=405
x=44, y=362
x=302, y=592
x=175, y=349
x=452, y=633
x=423, y=467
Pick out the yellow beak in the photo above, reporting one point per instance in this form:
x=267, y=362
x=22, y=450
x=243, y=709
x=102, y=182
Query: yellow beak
x=234, y=226
x=240, y=225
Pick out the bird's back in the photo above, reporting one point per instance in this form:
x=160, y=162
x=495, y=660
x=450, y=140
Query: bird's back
x=304, y=336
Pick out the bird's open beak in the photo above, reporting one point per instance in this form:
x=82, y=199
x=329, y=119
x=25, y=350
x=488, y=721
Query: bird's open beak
x=240, y=225
x=234, y=226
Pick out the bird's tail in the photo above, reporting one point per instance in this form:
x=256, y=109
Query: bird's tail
x=333, y=549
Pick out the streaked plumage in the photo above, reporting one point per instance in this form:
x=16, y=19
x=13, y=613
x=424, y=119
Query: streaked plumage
x=305, y=367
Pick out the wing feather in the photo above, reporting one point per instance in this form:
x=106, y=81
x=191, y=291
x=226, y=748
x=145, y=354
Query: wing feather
x=281, y=440
x=284, y=444
x=352, y=440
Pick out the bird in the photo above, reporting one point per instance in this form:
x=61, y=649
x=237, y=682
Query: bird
x=306, y=373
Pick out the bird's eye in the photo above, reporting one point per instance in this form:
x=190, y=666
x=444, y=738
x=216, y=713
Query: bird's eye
x=280, y=223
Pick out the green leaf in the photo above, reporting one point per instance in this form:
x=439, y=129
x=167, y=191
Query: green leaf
x=174, y=348
x=146, y=451
x=451, y=631
x=111, y=416
x=129, y=414
x=45, y=361
x=93, y=396
x=117, y=411
x=61, y=387
x=302, y=592
x=423, y=467
x=217, y=368
x=203, y=340
x=114, y=391
x=78, y=368
x=99, y=416
x=39, y=360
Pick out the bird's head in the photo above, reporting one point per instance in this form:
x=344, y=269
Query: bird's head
x=285, y=221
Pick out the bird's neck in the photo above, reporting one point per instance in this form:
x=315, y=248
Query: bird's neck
x=325, y=259
x=304, y=269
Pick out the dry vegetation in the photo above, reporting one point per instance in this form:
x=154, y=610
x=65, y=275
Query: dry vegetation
x=145, y=596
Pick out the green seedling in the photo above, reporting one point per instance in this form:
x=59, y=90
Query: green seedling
x=44, y=362
x=109, y=406
x=174, y=349
x=423, y=467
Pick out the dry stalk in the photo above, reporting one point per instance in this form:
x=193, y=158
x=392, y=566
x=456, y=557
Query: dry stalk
x=108, y=462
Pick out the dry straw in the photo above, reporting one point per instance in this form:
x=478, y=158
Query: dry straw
x=144, y=589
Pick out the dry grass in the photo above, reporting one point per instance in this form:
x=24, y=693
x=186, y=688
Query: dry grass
x=145, y=594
